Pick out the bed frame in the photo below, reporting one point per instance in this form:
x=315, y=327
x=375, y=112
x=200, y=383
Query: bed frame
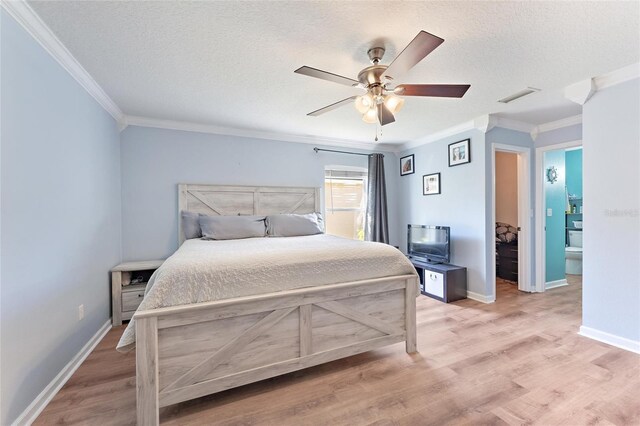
x=185, y=352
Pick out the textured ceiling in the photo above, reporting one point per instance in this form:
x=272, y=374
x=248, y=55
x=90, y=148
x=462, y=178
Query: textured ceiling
x=231, y=63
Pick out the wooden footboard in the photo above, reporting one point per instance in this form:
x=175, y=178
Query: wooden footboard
x=189, y=351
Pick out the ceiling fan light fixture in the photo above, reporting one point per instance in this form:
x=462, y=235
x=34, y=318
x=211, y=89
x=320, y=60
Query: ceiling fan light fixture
x=363, y=103
x=393, y=103
x=371, y=116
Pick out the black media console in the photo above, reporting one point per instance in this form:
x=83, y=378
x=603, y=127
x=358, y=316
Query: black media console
x=441, y=281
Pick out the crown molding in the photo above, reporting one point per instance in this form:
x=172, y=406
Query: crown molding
x=581, y=91
x=132, y=120
x=558, y=124
x=618, y=76
x=24, y=15
x=453, y=130
x=519, y=126
x=486, y=122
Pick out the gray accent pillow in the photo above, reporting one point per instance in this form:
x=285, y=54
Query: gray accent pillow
x=293, y=225
x=232, y=227
x=190, y=225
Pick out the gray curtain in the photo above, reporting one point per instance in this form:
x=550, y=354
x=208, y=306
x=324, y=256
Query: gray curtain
x=376, y=223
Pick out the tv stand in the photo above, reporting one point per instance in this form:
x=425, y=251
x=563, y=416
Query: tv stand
x=441, y=281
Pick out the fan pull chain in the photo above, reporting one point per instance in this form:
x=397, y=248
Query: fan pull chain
x=378, y=130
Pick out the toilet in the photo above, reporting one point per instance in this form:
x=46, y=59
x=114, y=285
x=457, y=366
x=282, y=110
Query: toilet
x=573, y=253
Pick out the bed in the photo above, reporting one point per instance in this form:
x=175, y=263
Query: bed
x=271, y=324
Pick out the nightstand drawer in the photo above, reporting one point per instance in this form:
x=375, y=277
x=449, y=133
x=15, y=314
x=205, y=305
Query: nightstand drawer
x=128, y=282
x=508, y=251
x=131, y=300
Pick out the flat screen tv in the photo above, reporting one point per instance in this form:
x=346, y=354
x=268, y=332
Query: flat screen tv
x=430, y=243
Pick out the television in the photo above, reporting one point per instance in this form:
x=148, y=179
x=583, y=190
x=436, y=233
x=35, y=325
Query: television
x=429, y=243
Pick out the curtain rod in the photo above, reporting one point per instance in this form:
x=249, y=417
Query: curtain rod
x=316, y=149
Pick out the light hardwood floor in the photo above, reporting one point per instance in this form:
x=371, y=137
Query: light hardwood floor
x=517, y=361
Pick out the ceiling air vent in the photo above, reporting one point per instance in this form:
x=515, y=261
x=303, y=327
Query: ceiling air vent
x=518, y=95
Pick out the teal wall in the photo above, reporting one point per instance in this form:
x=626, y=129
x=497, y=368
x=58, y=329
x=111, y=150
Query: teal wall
x=555, y=224
x=573, y=163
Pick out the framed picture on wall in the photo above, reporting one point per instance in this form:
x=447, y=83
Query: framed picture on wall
x=407, y=165
x=431, y=184
x=459, y=153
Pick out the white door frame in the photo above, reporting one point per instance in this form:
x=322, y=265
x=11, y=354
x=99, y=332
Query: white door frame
x=524, y=214
x=540, y=214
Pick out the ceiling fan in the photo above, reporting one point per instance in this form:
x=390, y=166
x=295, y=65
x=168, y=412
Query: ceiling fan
x=382, y=101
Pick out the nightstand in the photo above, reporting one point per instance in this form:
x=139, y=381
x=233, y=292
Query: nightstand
x=128, y=281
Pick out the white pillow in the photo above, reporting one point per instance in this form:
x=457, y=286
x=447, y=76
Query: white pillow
x=293, y=225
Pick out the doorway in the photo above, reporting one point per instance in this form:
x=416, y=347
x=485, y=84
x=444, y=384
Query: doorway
x=559, y=218
x=511, y=224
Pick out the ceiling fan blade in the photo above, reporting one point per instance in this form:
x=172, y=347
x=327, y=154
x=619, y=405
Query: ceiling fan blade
x=423, y=44
x=332, y=106
x=384, y=115
x=324, y=75
x=436, y=90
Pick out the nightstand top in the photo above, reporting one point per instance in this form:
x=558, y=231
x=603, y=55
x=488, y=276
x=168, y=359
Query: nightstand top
x=138, y=266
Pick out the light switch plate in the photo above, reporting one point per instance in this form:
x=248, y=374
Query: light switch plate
x=549, y=212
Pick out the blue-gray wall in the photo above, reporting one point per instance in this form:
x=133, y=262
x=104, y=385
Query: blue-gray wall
x=60, y=220
x=611, y=258
x=461, y=204
x=155, y=161
x=556, y=202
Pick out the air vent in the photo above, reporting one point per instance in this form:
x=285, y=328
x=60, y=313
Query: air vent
x=518, y=95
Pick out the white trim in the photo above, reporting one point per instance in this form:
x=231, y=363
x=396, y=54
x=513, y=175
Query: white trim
x=610, y=339
x=618, y=76
x=34, y=409
x=524, y=215
x=554, y=284
x=519, y=126
x=581, y=91
x=558, y=124
x=484, y=123
x=451, y=131
x=540, y=215
x=132, y=120
x=480, y=298
x=31, y=22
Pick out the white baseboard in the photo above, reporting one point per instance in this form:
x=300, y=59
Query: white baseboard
x=554, y=284
x=34, y=409
x=480, y=297
x=610, y=339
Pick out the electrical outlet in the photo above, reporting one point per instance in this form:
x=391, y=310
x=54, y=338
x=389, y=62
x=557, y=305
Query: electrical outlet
x=80, y=312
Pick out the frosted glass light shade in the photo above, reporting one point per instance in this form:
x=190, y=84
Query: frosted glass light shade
x=394, y=103
x=371, y=116
x=363, y=103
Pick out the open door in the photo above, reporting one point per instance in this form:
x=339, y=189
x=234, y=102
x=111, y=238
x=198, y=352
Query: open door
x=513, y=256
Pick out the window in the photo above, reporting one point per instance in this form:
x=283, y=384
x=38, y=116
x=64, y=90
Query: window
x=345, y=202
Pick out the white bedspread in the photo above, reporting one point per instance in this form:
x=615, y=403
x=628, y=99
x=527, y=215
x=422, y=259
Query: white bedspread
x=203, y=271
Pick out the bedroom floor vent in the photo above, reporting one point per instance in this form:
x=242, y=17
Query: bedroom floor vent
x=518, y=95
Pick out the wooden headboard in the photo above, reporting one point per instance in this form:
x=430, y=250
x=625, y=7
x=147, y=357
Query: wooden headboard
x=226, y=200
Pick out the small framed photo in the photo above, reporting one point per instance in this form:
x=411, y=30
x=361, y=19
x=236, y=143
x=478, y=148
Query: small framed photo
x=407, y=165
x=431, y=184
x=459, y=153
